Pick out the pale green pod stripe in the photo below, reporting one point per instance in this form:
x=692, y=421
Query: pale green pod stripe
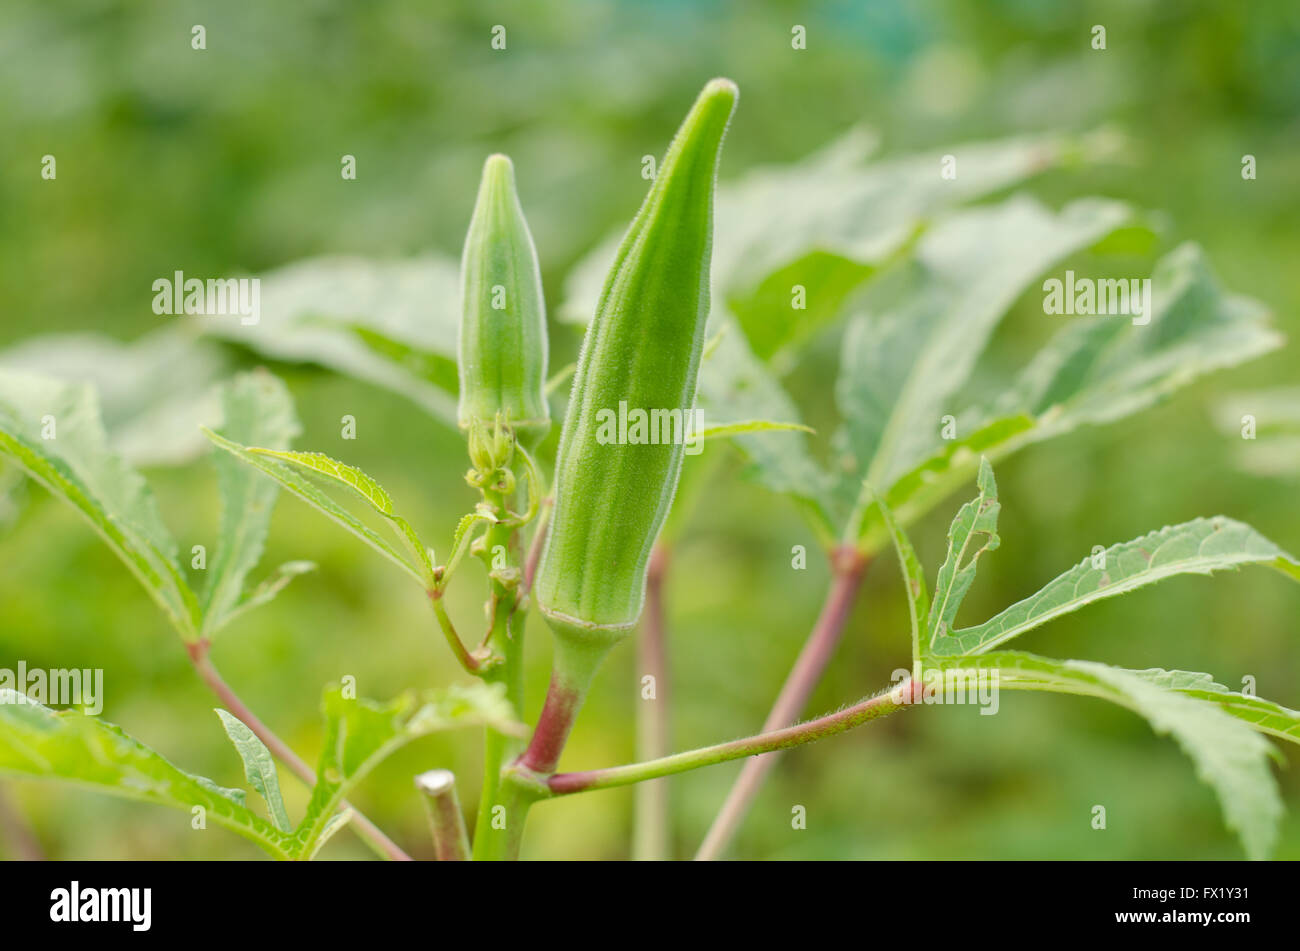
x=642, y=348
x=503, y=315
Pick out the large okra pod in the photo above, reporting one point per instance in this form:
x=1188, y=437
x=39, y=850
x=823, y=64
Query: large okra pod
x=503, y=316
x=642, y=353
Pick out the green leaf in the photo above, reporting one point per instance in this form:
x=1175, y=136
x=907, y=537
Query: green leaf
x=1263, y=715
x=53, y=431
x=389, y=323
x=978, y=518
x=256, y=408
x=918, y=602
x=154, y=392
x=259, y=767
x=916, y=333
x=38, y=742
x=364, y=487
x=1201, y=546
x=300, y=487
x=951, y=467
x=1097, y=370
x=272, y=585
x=359, y=734
x=1229, y=756
x=736, y=387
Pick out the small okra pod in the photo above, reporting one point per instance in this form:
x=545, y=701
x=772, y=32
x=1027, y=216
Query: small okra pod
x=503, y=316
x=642, y=351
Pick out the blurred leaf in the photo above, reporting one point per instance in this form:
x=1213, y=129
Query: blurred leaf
x=298, y=486
x=1229, y=756
x=1097, y=370
x=154, y=392
x=1201, y=546
x=916, y=333
x=259, y=768
x=744, y=427
x=1268, y=443
x=363, y=486
x=735, y=387
x=359, y=734
x=53, y=431
x=1264, y=715
x=389, y=323
x=38, y=742
x=1094, y=371
x=256, y=408
x=977, y=517
x=830, y=205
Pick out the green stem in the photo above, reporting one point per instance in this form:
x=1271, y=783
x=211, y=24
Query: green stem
x=563, y=784
x=505, y=645
x=524, y=782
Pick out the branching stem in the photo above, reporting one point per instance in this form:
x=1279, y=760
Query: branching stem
x=367, y=830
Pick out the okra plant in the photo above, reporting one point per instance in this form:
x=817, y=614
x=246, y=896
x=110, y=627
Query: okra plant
x=676, y=331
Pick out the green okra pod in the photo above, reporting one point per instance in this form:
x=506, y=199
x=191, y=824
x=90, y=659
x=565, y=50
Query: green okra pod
x=641, y=353
x=503, y=316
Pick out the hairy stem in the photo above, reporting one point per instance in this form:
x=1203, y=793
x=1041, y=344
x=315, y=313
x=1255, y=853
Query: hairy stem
x=652, y=833
x=505, y=644
x=847, y=568
x=367, y=830
x=563, y=784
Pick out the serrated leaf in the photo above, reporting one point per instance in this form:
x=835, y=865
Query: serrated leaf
x=256, y=408
x=359, y=734
x=976, y=519
x=53, y=431
x=1100, y=369
x=365, y=488
x=40, y=743
x=915, y=334
x=389, y=323
x=1229, y=756
x=916, y=493
x=306, y=491
x=259, y=767
x=1201, y=546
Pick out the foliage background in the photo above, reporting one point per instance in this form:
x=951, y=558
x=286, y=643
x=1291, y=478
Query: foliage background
x=227, y=160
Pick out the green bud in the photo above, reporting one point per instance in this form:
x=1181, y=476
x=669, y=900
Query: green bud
x=503, y=316
x=642, y=347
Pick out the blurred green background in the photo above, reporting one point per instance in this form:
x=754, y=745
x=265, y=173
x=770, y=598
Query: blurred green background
x=227, y=160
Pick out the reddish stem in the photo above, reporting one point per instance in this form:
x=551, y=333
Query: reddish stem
x=848, y=566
